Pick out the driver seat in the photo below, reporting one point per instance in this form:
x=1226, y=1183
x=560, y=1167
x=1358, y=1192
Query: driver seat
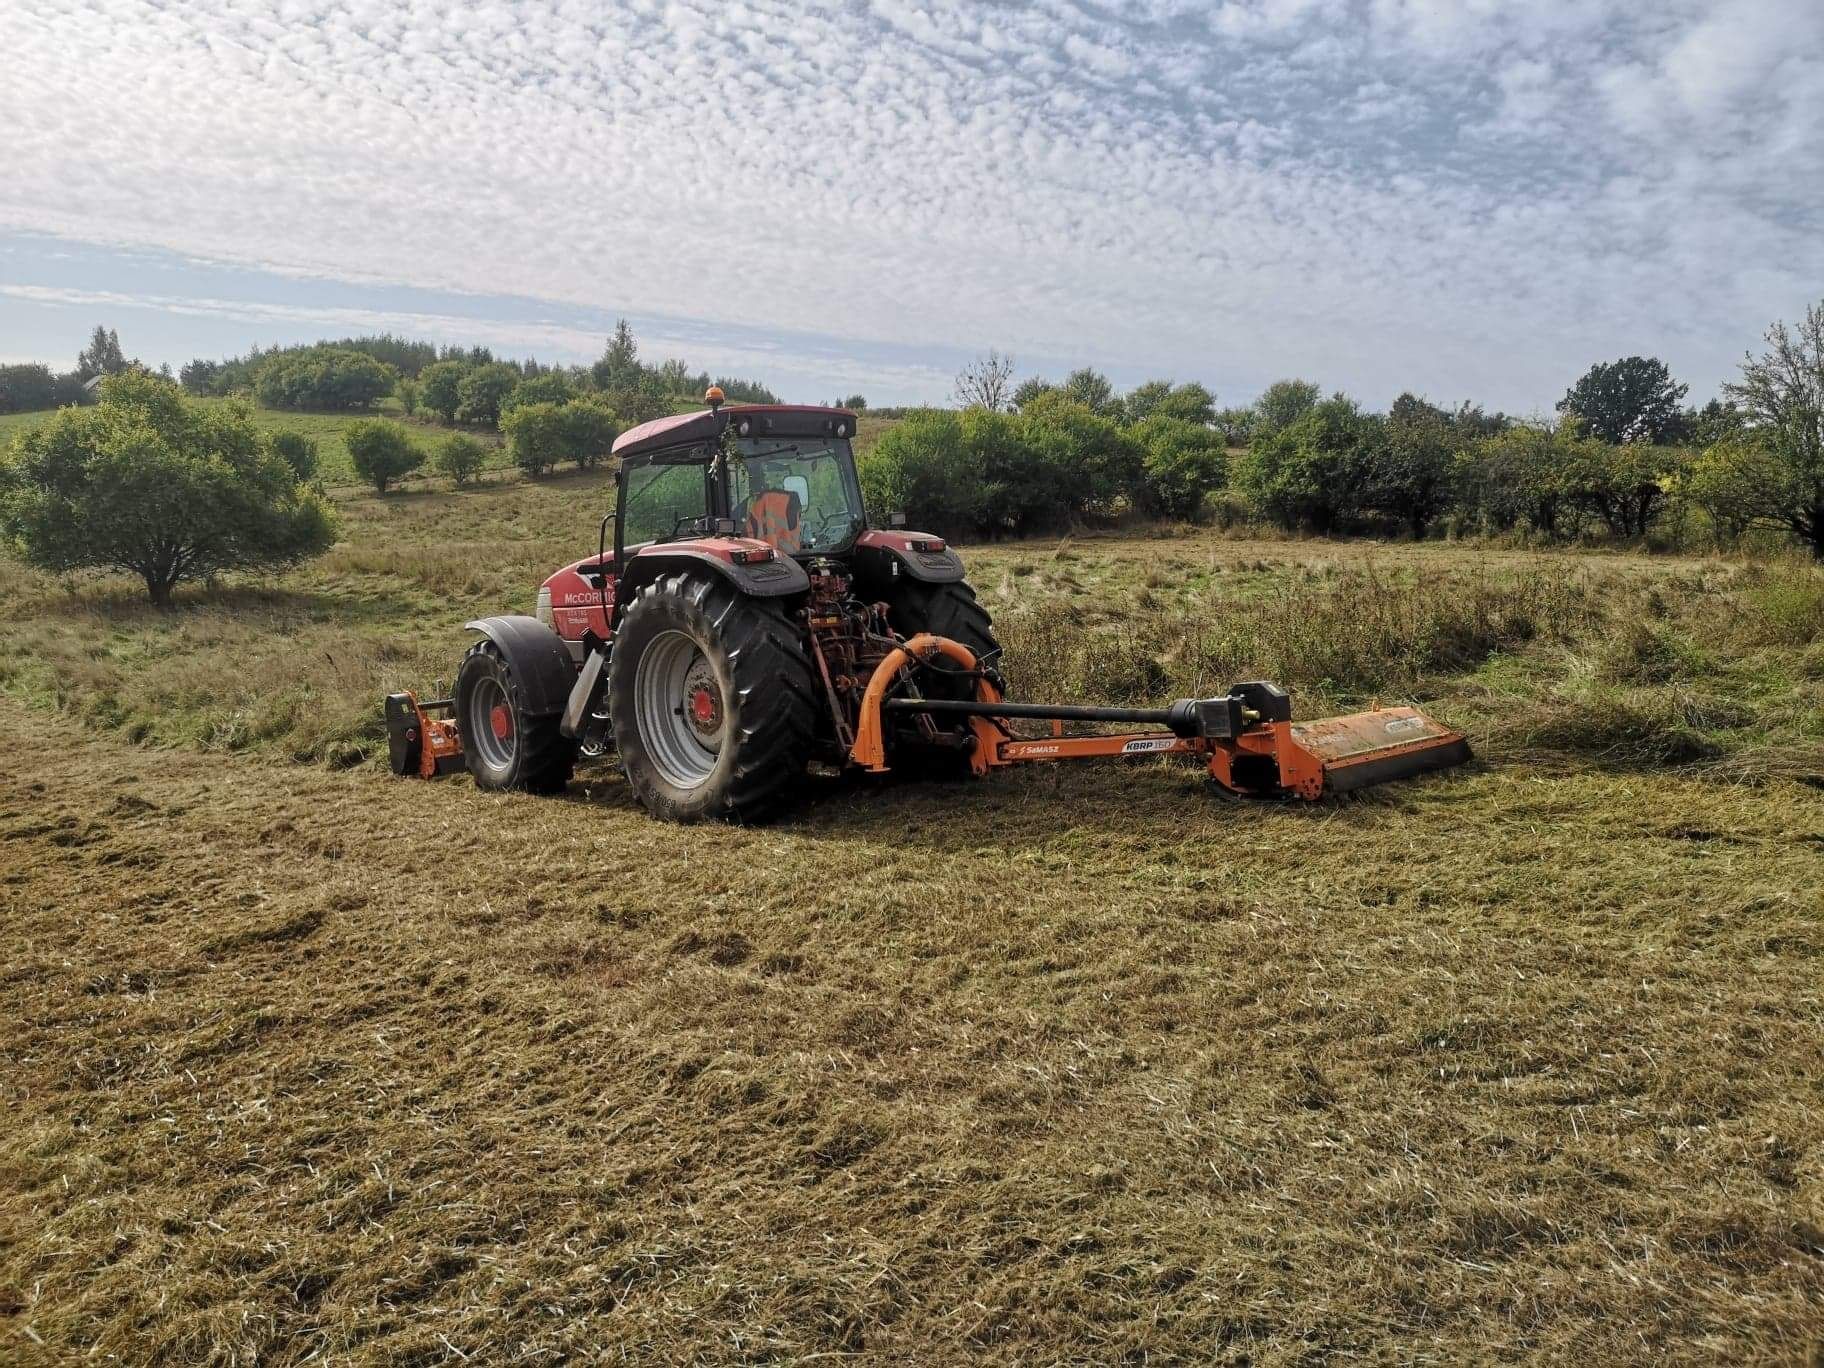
x=775, y=517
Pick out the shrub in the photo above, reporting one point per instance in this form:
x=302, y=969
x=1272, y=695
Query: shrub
x=298, y=451
x=552, y=387
x=1185, y=462
x=152, y=484
x=537, y=436
x=1318, y=470
x=483, y=390
x=440, y=388
x=921, y=467
x=459, y=457
x=381, y=451
x=1094, y=460
x=589, y=431
x=329, y=378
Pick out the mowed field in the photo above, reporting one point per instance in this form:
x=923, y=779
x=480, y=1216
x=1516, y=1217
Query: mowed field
x=1071, y=1064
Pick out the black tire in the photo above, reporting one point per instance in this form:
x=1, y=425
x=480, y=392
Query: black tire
x=946, y=610
x=503, y=746
x=740, y=667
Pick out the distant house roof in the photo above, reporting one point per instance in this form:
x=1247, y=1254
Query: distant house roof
x=93, y=383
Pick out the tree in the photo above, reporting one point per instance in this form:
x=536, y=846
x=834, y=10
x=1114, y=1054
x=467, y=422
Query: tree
x=619, y=367
x=1191, y=402
x=460, y=457
x=29, y=387
x=1624, y=486
x=331, y=379
x=537, y=437
x=1630, y=400
x=1282, y=404
x=855, y=403
x=154, y=485
x=1236, y=425
x=1185, y=461
x=102, y=356
x=553, y=387
x=1717, y=421
x=1415, y=480
x=407, y=390
x=643, y=400
x=1092, y=389
x=1317, y=470
x=1523, y=474
x=483, y=390
x=1776, y=468
x=1094, y=461
x=921, y=467
x=381, y=451
x=986, y=382
x=589, y=431
x=297, y=451
x=1028, y=390
x=440, y=388
x=1019, y=489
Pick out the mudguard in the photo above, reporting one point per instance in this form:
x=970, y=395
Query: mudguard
x=883, y=557
x=541, y=664
x=773, y=578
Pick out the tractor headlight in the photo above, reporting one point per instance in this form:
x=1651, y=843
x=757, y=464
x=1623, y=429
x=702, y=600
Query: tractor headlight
x=543, y=611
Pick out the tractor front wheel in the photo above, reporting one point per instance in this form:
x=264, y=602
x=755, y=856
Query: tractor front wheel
x=713, y=701
x=503, y=745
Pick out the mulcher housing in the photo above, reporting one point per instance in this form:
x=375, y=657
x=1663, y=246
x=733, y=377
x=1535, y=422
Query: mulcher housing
x=746, y=625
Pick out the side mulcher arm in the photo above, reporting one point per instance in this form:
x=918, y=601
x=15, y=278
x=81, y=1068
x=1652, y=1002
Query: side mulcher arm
x=1247, y=736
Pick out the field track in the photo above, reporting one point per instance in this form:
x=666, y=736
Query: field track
x=1074, y=1065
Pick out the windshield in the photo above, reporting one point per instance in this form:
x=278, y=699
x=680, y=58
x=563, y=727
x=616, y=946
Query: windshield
x=799, y=494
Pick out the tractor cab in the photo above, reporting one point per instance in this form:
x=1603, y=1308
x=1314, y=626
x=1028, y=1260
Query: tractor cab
x=776, y=474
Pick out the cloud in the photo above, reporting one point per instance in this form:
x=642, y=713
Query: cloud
x=1465, y=198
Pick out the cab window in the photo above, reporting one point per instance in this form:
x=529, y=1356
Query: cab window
x=798, y=495
x=661, y=499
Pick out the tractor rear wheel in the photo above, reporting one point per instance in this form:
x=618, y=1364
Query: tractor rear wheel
x=946, y=610
x=503, y=746
x=713, y=701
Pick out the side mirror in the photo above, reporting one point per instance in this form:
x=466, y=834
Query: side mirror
x=896, y=519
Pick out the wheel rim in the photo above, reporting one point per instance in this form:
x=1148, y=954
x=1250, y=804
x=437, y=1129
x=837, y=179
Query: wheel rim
x=679, y=709
x=494, y=734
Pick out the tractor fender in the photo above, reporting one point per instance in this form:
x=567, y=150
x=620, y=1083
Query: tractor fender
x=773, y=578
x=881, y=558
x=537, y=657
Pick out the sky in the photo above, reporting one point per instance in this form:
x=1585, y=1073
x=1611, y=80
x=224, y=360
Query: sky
x=1462, y=198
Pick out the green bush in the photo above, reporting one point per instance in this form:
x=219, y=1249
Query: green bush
x=483, y=390
x=299, y=452
x=325, y=378
x=589, y=431
x=1185, y=462
x=1097, y=463
x=921, y=467
x=538, y=437
x=460, y=457
x=440, y=388
x=1318, y=470
x=552, y=387
x=381, y=451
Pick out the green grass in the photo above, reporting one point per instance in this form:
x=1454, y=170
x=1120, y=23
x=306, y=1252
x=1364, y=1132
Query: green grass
x=1074, y=1063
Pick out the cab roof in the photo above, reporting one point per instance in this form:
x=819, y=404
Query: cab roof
x=765, y=420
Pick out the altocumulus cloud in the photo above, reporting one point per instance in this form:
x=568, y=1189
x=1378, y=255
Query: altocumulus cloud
x=1470, y=198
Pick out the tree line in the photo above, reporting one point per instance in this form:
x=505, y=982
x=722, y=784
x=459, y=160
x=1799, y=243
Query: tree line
x=1619, y=457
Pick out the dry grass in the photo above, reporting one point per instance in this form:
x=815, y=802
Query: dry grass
x=1071, y=1065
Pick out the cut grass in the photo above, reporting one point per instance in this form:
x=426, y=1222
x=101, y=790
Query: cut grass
x=1070, y=1064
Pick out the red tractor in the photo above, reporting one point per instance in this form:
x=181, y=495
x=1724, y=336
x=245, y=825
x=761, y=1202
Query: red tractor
x=748, y=628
